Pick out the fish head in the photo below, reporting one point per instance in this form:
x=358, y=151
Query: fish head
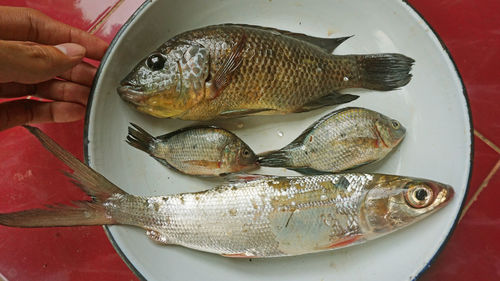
x=240, y=156
x=393, y=204
x=390, y=131
x=169, y=81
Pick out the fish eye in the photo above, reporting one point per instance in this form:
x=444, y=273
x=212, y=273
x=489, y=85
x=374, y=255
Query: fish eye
x=155, y=62
x=395, y=124
x=419, y=195
x=246, y=153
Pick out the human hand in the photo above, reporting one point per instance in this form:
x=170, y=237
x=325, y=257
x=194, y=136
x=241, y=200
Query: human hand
x=34, y=50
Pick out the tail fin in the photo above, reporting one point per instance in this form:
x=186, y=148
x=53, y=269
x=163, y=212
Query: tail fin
x=384, y=72
x=83, y=213
x=139, y=138
x=275, y=158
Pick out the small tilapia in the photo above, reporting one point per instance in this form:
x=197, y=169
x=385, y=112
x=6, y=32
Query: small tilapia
x=199, y=151
x=342, y=140
x=233, y=70
x=264, y=217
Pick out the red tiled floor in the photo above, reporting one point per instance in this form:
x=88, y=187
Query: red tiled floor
x=471, y=34
x=30, y=179
x=484, y=160
x=473, y=253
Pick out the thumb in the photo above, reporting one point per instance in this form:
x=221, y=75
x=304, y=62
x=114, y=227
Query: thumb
x=27, y=62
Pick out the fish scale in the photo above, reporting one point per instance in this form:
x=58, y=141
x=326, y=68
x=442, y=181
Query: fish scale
x=232, y=219
x=341, y=140
x=261, y=216
x=202, y=151
x=279, y=72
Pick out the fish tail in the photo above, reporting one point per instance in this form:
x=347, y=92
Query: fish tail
x=383, y=72
x=81, y=212
x=139, y=138
x=275, y=158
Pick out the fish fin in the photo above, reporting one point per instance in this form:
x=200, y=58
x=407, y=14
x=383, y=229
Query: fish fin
x=309, y=171
x=344, y=242
x=362, y=164
x=157, y=237
x=384, y=72
x=239, y=255
x=330, y=99
x=242, y=178
x=327, y=44
x=304, y=137
x=139, y=138
x=83, y=213
x=240, y=112
x=342, y=183
x=224, y=75
x=275, y=158
x=91, y=182
x=165, y=163
x=181, y=130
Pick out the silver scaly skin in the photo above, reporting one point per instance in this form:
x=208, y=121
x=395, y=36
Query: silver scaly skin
x=200, y=151
x=263, y=216
x=342, y=140
x=277, y=216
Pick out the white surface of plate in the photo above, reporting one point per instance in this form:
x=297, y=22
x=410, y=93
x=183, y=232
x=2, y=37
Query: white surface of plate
x=432, y=107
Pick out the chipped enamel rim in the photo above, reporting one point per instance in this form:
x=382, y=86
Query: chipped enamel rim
x=143, y=8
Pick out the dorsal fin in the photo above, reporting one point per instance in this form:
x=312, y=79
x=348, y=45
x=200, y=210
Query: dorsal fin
x=327, y=44
x=298, y=141
x=182, y=130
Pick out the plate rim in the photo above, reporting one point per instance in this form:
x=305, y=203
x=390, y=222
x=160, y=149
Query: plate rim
x=146, y=3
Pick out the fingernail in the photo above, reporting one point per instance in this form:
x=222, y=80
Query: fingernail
x=72, y=50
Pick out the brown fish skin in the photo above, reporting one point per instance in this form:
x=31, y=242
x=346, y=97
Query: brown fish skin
x=253, y=70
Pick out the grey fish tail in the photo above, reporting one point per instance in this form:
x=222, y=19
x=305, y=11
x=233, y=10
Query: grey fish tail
x=81, y=212
x=275, y=158
x=139, y=138
x=384, y=72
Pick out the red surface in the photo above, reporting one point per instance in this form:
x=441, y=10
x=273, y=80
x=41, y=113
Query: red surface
x=470, y=29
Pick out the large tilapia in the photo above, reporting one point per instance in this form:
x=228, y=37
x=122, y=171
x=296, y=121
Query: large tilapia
x=235, y=70
x=342, y=140
x=200, y=151
x=264, y=217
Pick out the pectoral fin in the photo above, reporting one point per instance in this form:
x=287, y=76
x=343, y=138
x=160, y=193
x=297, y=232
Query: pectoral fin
x=229, y=68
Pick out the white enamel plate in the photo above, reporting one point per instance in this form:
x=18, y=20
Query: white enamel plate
x=433, y=107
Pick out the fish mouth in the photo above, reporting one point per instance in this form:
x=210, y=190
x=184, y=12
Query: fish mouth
x=131, y=94
x=449, y=194
x=444, y=196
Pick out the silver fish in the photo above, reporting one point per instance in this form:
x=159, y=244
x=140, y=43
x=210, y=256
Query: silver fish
x=262, y=217
x=342, y=140
x=201, y=151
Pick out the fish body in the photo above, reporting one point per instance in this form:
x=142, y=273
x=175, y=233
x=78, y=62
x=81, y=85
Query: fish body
x=342, y=140
x=234, y=70
x=201, y=151
x=265, y=216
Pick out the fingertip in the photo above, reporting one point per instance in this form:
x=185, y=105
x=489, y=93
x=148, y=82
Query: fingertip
x=72, y=50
